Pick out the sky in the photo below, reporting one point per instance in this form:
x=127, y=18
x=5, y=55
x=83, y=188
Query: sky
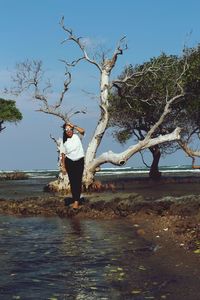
x=30, y=29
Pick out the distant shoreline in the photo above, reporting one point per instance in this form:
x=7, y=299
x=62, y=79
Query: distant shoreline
x=15, y=175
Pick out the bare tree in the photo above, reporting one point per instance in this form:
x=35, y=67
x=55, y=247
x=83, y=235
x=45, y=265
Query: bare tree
x=30, y=76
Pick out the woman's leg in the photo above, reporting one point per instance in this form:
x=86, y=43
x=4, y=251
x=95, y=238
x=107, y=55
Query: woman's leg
x=75, y=173
x=77, y=182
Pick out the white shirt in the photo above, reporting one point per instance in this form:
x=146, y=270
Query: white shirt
x=73, y=148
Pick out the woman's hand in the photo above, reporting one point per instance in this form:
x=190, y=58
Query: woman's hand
x=63, y=170
x=70, y=125
x=79, y=129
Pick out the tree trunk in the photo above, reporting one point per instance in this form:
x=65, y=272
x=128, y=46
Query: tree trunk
x=119, y=159
x=154, y=171
x=93, y=163
x=103, y=121
x=60, y=185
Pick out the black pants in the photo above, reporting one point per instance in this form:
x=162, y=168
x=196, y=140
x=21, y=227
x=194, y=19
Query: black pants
x=75, y=173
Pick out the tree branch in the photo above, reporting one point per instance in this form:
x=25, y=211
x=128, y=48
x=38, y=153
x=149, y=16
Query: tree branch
x=1, y=126
x=190, y=152
x=132, y=75
x=120, y=159
x=72, y=37
x=144, y=160
x=163, y=115
x=65, y=88
x=108, y=64
x=57, y=142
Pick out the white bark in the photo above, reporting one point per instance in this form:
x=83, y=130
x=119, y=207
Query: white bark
x=121, y=158
x=103, y=121
x=62, y=183
x=190, y=152
x=33, y=79
x=91, y=162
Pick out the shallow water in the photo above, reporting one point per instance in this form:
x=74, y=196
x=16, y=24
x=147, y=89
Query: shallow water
x=34, y=187
x=19, y=189
x=54, y=258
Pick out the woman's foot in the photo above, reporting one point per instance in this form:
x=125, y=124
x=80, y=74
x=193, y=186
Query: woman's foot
x=75, y=205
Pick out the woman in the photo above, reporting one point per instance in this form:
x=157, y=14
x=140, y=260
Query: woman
x=72, y=160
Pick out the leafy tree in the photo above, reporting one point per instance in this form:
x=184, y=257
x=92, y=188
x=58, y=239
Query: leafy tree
x=192, y=102
x=8, y=113
x=136, y=106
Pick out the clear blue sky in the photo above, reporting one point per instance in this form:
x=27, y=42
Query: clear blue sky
x=30, y=29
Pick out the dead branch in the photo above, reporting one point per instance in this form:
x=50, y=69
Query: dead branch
x=108, y=64
x=90, y=94
x=121, y=158
x=77, y=40
x=54, y=139
x=30, y=75
x=190, y=152
x=65, y=88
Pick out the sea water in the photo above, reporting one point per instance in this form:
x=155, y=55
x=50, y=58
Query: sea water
x=71, y=259
x=60, y=258
x=38, y=179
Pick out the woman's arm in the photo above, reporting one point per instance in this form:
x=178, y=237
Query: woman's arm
x=79, y=129
x=63, y=168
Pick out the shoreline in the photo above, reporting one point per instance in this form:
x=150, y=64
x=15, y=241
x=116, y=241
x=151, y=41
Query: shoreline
x=170, y=206
x=165, y=207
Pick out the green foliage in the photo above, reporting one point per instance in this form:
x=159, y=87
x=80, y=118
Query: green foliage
x=192, y=85
x=9, y=111
x=137, y=106
x=123, y=136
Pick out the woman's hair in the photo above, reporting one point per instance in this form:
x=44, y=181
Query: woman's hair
x=64, y=136
x=64, y=133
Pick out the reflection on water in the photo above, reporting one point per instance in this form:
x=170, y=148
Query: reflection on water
x=53, y=258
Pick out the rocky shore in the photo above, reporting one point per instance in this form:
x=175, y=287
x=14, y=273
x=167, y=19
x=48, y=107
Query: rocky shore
x=177, y=217
x=17, y=175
